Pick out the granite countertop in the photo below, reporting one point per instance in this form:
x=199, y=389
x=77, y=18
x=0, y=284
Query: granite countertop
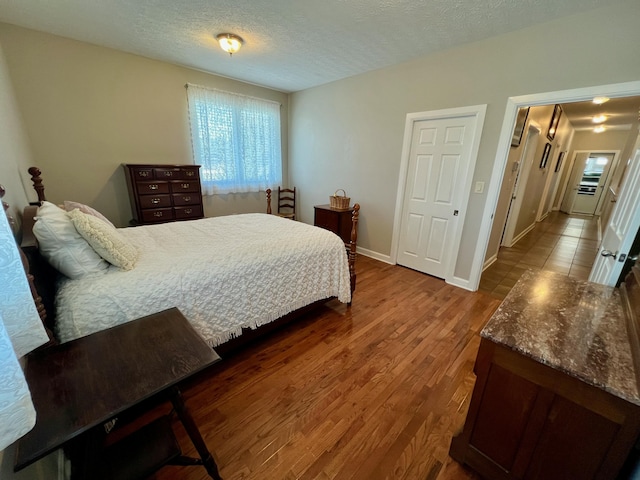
x=571, y=325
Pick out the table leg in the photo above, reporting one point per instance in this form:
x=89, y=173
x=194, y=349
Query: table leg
x=194, y=434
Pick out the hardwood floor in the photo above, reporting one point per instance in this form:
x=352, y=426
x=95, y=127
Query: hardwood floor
x=374, y=391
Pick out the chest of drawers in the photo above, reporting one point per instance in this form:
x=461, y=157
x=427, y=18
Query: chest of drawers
x=164, y=193
x=337, y=221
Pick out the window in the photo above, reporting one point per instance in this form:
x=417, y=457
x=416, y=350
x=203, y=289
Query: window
x=236, y=139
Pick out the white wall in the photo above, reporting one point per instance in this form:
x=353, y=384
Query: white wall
x=348, y=134
x=16, y=155
x=16, y=158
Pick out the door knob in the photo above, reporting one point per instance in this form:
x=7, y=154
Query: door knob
x=608, y=253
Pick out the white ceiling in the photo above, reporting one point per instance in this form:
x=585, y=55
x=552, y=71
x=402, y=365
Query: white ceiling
x=290, y=45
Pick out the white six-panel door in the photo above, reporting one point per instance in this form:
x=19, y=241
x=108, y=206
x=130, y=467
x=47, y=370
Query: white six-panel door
x=436, y=190
x=622, y=229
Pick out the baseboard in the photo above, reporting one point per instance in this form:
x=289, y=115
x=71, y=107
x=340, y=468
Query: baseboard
x=64, y=466
x=461, y=283
x=490, y=261
x=599, y=230
x=519, y=237
x=374, y=255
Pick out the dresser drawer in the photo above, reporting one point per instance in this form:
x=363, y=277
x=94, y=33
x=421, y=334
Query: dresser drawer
x=145, y=188
x=187, y=199
x=141, y=173
x=168, y=173
x=191, y=173
x=155, y=201
x=186, y=212
x=164, y=192
x=185, y=186
x=157, y=215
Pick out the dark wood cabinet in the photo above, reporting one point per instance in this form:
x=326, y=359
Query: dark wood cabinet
x=339, y=222
x=528, y=420
x=164, y=193
x=549, y=406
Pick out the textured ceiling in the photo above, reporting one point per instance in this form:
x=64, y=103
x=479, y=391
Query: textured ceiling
x=290, y=45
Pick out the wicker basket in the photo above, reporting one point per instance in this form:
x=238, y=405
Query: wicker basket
x=340, y=202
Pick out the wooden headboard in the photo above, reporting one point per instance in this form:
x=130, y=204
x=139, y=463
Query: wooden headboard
x=38, y=300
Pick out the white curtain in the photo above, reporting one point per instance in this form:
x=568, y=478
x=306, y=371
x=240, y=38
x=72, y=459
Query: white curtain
x=20, y=332
x=236, y=139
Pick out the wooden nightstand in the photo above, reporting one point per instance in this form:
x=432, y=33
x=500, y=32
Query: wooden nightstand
x=337, y=221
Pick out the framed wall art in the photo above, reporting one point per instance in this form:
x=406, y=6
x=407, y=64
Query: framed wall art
x=555, y=119
x=521, y=121
x=545, y=156
x=559, y=162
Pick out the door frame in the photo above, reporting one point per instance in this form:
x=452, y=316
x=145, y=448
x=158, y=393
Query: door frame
x=477, y=111
x=508, y=239
x=616, y=90
x=612, y=167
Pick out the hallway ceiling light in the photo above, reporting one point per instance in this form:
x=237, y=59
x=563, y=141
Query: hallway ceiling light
x=600, y=100
x=229, y=42
x=599, y=118
x=599, y=129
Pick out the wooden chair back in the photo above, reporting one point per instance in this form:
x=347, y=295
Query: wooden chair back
x=287, y=202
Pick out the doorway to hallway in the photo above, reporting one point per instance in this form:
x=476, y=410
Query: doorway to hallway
x=561, y=243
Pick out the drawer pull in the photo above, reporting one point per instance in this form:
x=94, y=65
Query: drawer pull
x=157, y=214
x=190, y=173
x=153, y=186
x=168, y=174
x=188, y=211
x=155, y=201
x=143, y=174
x=185, y=185
x=186, y=199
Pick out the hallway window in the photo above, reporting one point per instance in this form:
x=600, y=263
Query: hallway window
x=236, y=139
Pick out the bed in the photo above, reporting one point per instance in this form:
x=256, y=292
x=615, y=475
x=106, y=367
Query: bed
x=228, y=275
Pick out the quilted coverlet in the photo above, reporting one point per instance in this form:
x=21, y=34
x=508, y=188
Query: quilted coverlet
x=223, y=273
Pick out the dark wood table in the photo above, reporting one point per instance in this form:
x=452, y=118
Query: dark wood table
x=80, y=385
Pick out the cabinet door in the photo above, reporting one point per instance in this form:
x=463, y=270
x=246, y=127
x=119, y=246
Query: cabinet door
x=505, y=409
x=326, y=219
x=573, y=444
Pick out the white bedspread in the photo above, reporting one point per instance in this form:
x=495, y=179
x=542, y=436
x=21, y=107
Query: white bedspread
x=223, y=273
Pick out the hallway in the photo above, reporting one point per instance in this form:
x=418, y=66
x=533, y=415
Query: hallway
x=561, y=243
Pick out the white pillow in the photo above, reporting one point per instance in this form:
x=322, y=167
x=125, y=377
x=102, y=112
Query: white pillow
x=69, y=205
x=62, y=246
x=105, y=240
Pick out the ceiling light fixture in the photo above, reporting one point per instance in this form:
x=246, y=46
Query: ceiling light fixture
x=599, y=129
x=229, y=42
x=599, y=118
x=600, y=100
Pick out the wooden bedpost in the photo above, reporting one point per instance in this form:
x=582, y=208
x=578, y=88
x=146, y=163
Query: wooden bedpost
x=37, y=299
x=352, y=246
x=37, y=183
x=269, y=201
